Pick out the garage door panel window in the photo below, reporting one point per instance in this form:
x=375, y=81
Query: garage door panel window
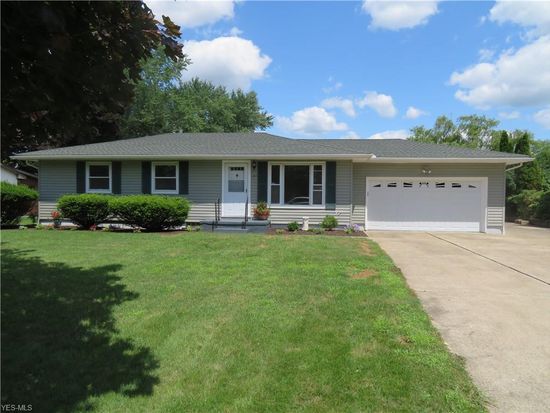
x=297, y=184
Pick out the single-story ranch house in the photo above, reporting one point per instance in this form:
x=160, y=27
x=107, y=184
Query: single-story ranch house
x=377, y=184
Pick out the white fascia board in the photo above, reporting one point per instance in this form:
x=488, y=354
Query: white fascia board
x=507, y=161
x=190, y=156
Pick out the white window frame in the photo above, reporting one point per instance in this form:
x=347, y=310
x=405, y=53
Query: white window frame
x=99, y=191
x=153, y=178
x=282, y=185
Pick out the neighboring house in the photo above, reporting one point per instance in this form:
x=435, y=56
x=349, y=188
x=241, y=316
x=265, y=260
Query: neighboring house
x=17, y=176
x=377, y=184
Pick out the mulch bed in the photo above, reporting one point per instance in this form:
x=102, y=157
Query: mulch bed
x=334, y=233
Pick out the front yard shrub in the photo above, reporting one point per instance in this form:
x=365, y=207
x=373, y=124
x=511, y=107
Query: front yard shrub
x=329, y=222
x=16, y=200
x=150, y=212
x=85, y=210
x=293, y=226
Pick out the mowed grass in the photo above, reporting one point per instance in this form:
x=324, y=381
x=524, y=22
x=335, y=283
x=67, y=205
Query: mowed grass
x=201, y=322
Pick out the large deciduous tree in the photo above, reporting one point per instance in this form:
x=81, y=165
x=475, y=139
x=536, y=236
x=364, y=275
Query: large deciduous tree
x=164, y=103
x=67, y=68
x=530, y=175
x=473, y=131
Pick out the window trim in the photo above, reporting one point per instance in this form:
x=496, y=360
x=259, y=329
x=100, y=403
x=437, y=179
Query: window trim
x=99, y=191
x=153, y=178
x=282, y=184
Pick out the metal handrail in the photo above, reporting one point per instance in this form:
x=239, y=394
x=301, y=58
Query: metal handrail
x=216, y=214
x=245, y=213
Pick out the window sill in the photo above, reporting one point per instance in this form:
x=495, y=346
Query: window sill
x=164, y=192
x=99, y=191
x=297, y=207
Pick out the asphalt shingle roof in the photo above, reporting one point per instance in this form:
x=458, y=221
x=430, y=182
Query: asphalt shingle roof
x=261, y=144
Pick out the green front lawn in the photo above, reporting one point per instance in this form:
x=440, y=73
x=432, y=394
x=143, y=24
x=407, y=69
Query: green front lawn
x=200, y=322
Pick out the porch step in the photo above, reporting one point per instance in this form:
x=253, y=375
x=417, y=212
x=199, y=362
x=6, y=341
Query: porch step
x=238, y=222
x=231, y=229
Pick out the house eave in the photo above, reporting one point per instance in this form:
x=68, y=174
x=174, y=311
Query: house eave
x=31, y=157
x=507, y=161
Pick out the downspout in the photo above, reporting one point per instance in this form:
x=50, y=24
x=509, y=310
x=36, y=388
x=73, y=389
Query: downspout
x=514, y=167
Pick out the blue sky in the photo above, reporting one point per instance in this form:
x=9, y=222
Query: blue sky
x=375, y=68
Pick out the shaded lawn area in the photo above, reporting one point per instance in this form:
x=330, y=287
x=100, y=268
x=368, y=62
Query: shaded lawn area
x=209, y=322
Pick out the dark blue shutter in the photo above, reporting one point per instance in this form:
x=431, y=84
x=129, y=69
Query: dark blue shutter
x=184, y=177
x=330, y=197
x=117, y=179
x=80, y=177
x=262, y=181
x=146, y=177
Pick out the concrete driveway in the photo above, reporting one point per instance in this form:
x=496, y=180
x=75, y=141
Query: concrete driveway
x=489, y=296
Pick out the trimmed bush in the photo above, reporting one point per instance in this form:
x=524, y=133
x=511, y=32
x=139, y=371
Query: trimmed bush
x=85, y=210
x=329, y=222
x=150, y=212
x=16, y=200
x=293, y=226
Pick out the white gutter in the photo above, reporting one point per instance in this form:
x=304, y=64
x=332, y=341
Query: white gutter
x=508, y=161
x=514, y=167
x=189, y=156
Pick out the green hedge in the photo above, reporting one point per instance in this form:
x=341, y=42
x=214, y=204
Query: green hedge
x=16, y=200
x=151, y=212
x=85, y=210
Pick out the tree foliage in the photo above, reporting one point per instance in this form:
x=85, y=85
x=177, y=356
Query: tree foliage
x=530, y=176
x=473, y=131
x=164, y=103
x=479, y=132
x=67, y=68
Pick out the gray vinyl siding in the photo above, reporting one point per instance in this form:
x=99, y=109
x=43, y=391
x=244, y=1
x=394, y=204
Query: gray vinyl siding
x=205, y=186
x=496, y=185
x=284, y=215
x=130, y=177
x=205, y=179
x=55, y=178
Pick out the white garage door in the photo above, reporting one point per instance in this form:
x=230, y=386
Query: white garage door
x=431, y=204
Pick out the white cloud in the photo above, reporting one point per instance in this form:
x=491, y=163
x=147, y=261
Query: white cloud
x=486, y=54
x=346, y=105
x=413, y=113
x=311, y=120
x=333, y=87
x=229, y=61
x=543, y=117
x=516, y=78
x=529, y=14
x=235, y=31
x=193, y=13
x=351, y=135
x=382, y=104
x=395, y=15
x=391, y=134
x=509, y=115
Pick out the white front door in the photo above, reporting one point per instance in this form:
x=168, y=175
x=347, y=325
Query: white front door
x=426, y=204
x=235, y=189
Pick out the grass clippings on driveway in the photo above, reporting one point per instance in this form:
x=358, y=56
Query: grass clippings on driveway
x=203, y=322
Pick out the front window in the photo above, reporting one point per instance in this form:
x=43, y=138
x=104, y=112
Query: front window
x=165, y=177
x=296, y=184
x=98, y=177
